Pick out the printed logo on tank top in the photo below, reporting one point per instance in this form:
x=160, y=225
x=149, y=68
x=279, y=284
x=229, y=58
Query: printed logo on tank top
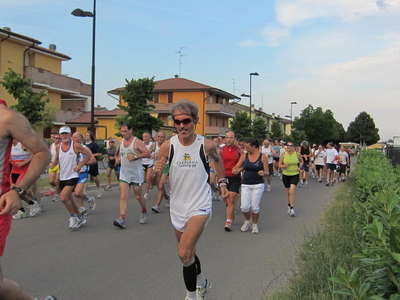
x=187, y=161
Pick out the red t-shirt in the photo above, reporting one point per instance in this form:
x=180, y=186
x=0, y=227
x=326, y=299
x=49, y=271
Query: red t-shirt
x=230, y=157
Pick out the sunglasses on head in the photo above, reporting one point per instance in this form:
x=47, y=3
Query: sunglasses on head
x=184, y=121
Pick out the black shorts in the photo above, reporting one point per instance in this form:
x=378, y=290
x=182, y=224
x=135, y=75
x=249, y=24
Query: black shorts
x=271, y=169
x=319, y=167
x=343, y=169
x=276, y=158
x=305, y=166
x=234, y=184
x=331, y=167
x=69, y=182
x=289, y=180
x=14, y=177
x=145, y=167
x=94, y=170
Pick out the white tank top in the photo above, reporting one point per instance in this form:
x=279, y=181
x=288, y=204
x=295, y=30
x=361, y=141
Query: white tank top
x=148, y=161
x=266, y=152
x=68, y=160
x=53, y=151
x=131, y=170
x=189, y=177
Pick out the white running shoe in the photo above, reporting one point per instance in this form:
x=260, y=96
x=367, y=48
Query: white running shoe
x=144, y=218
x=80, y=221
x=167, y=203
x=84, y=211
x=146, y=196
x=56, y=198
x=288, y=209
x=92, y=203
x=246, y=225
x=33, y=209
x=254, y=228
x=72, y=222
x=156, y=209
x=292, y=213
x=268, y=188
x=99, y=193
x=202, y=292
x=19, y=215
x=107, y=188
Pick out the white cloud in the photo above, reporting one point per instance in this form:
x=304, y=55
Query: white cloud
x=294, y=12
x=273, y=35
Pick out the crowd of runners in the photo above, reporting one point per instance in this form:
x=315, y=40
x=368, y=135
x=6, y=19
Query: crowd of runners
x=198, y=170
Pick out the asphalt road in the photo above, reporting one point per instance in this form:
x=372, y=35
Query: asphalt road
x=100, y=261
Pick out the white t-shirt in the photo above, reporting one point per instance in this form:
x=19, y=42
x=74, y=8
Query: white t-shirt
x=320, y=155
x=267, y=151
x=344, y=157
x=331, y=156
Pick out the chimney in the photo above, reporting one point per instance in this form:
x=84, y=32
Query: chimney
x=7, y=29
x=52, y=47
x=176, y=76
x=260, y=108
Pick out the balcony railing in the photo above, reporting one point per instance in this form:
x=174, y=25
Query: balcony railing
x=216, y=130
x=57, y=81
x=217, y=108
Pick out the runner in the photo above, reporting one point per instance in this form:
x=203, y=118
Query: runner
x=277, y=148
x=269, y=152
x=111, y=164
x=191, y=202
x=70, y=160
x=290, y=161
x=131, y=152
x=255, y=167
x=94, y=168
x=148, y=164
x=14, y=125
x=305, y=153
x=330, y=161
x=319, y=161
x=230, y=155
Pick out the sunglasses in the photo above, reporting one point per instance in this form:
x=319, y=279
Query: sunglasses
x=290, y=145
x=184, y=121
x=57, y=138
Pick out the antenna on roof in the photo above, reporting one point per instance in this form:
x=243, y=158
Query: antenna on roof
x=180, y=58
x=233, y=79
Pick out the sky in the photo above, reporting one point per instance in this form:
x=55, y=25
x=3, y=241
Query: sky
x=342, y=55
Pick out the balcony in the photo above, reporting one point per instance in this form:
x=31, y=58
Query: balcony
x=220, y=109
x=55, y=82
x=162, y=107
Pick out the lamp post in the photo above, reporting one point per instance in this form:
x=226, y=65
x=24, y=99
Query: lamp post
x=81, y=13
x=251, y=74
x=291, y=115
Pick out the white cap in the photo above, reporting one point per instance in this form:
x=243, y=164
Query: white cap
x=65, y=129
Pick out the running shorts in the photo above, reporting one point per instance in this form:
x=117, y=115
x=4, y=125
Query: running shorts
x=94, y=170
x=289, y=180
x=5, y=227
x=56, y=170
x=70, y=182
x=305, y=166
x=234, y=184
x=331, y=167
x=271, y=169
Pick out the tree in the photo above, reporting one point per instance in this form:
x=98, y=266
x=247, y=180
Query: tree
x=317, y=124
x=137, y=94
x=298, y=136
x=363, y=130
x=30, y=103
x=276, y=131
x=259, y=129
x=241, y=125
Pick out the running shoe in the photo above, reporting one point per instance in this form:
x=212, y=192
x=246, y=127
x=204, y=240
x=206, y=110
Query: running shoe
x=156, y=209
x=19, y=215
x=72, y=222
x=292, y=213
x=288, y=209
x=306, y=185
x=56, y=198
x=146, y=196
x=107, y=188
x=84, y=211
x=80, y=221
x=254, y=228
x=228, y=226
x=32, y=209
x=344, y=179
x=268, y=188
x=167, y=203
x=246, y=225
x=301, y=185
x=48, y=298
x=120, y=223
x=203, y=291
x=92, y=203
x=327, y=183
x=144, y=218
x=99, y=193
x=331, y=183
x=52, y=192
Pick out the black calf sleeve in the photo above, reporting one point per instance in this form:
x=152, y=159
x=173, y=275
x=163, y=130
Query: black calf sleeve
x=198, y=265
x=190, y=277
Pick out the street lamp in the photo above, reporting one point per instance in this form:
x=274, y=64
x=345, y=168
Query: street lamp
x=81, y=13
x=248, y=96
x=251, y=74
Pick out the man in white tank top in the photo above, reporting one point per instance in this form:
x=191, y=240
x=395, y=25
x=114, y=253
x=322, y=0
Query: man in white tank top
x=148, y=163
x=131, y=152
x=190, y=204
x=69, y=158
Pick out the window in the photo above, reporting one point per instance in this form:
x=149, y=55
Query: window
x=209, y=120
x=170, y=97
x=223, y=122
x=156, y=98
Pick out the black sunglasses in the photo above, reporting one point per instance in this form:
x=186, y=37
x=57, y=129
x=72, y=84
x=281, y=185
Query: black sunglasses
x=290, y=145
x=184, y=121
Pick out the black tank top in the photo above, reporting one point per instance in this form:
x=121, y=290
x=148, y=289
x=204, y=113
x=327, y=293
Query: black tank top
x=305, y=151
x=251, y=171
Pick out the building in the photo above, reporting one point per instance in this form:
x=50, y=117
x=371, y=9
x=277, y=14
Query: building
x=44, y=66
x=213, y=103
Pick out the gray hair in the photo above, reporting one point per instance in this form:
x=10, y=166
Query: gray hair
x=184, y=105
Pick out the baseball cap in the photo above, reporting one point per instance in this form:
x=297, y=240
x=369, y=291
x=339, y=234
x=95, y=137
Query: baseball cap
x=64, y=129
x=111, y=141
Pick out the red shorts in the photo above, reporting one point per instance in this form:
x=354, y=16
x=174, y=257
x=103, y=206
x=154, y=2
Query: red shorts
x=5, y=227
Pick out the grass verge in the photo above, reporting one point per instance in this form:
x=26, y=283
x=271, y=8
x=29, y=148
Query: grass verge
x=330, y=246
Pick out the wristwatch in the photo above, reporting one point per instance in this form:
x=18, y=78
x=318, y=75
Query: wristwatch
x=135, y=157
x=21, y=192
